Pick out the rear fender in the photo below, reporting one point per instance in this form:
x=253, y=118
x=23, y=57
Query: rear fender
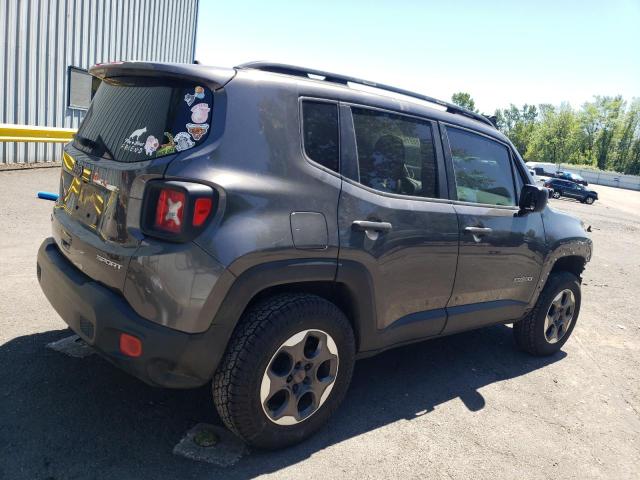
x=352, y=278
x=256, y=279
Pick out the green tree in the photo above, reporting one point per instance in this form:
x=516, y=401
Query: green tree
x=590, y=126
x=629, y=131
x=518, y=124
x=633, y=167
x=609, y=110
x=463, y=99
x=604, y=132
x=556, y=138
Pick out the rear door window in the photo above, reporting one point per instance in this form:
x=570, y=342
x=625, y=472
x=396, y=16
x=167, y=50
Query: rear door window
x=482, y=168
x=320, y=133
x=396, y=154
x=136, y=119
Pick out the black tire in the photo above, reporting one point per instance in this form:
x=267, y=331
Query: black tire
x=260, y=333
x=589, y=200
x=556, y=194
x=529, y=332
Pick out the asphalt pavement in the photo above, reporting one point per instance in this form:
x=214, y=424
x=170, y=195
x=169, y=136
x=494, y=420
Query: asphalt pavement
x=466, y=406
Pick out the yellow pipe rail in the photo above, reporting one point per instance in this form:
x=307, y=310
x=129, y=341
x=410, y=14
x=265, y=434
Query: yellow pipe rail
x=31, y=133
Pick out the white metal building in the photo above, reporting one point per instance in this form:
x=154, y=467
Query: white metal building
x=47, y=45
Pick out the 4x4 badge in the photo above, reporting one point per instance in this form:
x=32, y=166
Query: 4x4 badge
x=522, y=279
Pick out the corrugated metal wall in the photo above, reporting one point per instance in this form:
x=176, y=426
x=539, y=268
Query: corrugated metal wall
x=41, y=38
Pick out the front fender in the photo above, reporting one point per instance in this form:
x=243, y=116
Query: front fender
x=565, y=237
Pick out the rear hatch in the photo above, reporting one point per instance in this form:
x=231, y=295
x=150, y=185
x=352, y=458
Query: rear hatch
x=141, y=118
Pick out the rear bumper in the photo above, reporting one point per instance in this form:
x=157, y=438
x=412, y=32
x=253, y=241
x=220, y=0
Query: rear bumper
x=170, y=358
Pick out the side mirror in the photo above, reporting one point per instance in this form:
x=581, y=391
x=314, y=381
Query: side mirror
x=533, y=198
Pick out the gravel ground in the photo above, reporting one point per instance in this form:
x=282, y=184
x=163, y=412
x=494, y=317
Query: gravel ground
x=467, y=406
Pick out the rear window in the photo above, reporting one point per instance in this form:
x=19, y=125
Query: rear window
x=320, y=129
x=137, y=119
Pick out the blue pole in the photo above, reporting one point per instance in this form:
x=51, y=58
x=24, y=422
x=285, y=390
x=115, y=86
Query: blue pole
x=48, y=196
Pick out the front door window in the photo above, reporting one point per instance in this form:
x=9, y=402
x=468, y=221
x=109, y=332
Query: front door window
x=482, y=169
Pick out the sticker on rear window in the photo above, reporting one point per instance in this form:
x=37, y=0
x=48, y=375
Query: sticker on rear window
x=167, y=148
x=197, y=93
x=151, y=145
x=183, y=141
x=200, y=113
x=132, y=143
x=197, y=130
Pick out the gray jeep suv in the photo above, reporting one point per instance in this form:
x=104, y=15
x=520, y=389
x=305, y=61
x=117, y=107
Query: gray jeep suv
x=264, y=226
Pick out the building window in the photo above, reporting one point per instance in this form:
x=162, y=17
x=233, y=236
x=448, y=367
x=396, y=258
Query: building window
x=81, y=87
x=320, y=127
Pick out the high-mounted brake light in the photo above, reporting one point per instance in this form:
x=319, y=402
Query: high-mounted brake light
x=170, y=210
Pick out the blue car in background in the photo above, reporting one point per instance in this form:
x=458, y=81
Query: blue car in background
x=565, y=188
x=572, y=177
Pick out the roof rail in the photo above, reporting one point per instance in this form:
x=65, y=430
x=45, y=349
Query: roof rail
x=344, y=80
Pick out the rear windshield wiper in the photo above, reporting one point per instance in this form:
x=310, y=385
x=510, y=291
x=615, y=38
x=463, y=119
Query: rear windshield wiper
x=96, y=147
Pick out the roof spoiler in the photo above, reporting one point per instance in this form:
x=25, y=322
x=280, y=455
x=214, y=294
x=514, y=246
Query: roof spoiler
x=217, y=76
x=344, y=80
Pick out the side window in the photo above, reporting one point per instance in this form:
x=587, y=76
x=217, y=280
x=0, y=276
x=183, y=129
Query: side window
x=320, y=132
x=519, y=176
x=395, y=153
x=482, y=169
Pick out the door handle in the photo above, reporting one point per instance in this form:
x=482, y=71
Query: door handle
x=375, y=226
x=478, y=230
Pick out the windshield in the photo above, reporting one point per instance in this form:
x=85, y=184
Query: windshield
x=136, y=119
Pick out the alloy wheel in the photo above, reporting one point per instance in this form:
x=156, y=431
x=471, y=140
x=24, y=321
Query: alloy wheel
x=299, y=377
x=559, y=316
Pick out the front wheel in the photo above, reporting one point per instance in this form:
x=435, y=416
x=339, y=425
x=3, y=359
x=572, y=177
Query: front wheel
x=589, y=200
x=556, y=194
x=287, y=368
x=548, y=326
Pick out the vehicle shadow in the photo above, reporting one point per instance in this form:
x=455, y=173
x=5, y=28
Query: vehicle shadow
x=64, y=417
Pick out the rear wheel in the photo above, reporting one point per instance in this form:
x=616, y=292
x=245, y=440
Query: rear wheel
x=287, y=368
x=548, y=326
x=556, y=194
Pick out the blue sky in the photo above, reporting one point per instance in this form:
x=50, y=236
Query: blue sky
x=500, y=52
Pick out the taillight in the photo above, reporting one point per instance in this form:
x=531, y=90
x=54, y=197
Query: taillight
x=176, y=211
x=201, y=211
x=170, y=210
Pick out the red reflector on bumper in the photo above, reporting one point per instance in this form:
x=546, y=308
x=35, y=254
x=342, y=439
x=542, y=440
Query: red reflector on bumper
x=130, y=346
